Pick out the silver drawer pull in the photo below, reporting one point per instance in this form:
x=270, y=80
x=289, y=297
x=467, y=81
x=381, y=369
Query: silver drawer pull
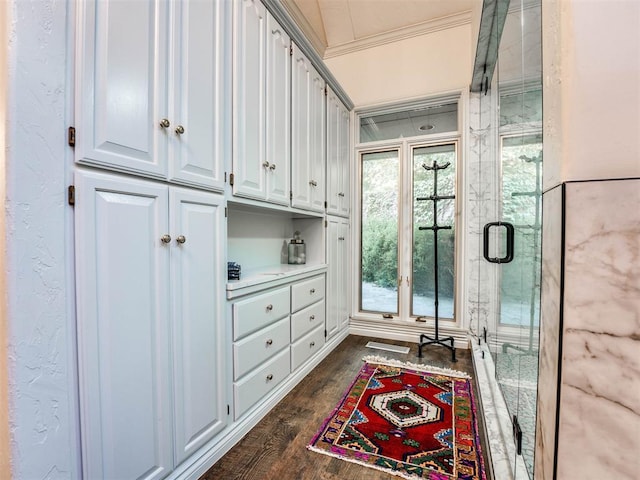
x=312, y=344
x=269, y=342
x=269, y=377
x=272, y=166
x=313, y=183
x=340, y=238
x=166, y=238
x=269, y=307
x=341, y=194
x=312, y=291
x=312, y=317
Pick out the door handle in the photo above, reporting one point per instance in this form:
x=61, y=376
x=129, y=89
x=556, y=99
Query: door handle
x=510, y=242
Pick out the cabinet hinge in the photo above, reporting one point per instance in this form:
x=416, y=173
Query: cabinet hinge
x=290, y=194
x=226, y=212
x=326, y=91
x=326, y=223
x=290, y=50
x=228, y=410
x=71, y=195
x=325, y=204
x=225, y=177
x=71, y=136
x=325, y=333
x=231, y=179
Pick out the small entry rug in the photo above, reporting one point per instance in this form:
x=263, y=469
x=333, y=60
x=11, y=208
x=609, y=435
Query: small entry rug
x=413, y=421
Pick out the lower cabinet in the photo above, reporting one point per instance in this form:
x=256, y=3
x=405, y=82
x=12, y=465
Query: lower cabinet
x=274, y=333
x=150, y=282
x=337, y=274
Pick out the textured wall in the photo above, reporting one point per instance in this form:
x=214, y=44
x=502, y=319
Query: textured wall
x=43, y=412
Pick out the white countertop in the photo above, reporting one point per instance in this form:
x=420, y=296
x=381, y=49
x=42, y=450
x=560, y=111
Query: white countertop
x=277, y=274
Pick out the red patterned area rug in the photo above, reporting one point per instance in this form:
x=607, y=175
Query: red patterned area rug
x=413, y=421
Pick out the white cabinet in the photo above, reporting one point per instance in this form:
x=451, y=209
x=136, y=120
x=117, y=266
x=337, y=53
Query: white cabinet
x=198, y=277
x=262, y=91
x=338, y=186
x=308, y=160
x=152, y=88
x=338, y=278
x=276, y=330
x=149, y=275
x=261, y=346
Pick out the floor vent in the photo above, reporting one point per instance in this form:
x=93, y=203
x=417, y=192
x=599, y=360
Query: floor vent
x=389, y=348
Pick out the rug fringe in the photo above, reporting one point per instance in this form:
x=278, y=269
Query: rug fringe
x=415, y=366
x=396, y=473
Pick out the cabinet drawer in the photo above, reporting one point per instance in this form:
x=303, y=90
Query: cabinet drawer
x=255, y=386
x=307, y=292
x=258, y=347
x=304, y=348
x=253, y=313
x=307, y=319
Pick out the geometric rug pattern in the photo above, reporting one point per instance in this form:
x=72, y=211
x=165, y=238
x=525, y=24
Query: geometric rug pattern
x=413, y=421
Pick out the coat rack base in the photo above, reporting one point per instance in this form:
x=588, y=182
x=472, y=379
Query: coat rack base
x=426, y=340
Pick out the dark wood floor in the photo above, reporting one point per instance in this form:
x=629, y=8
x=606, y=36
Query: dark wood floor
x=276, y=447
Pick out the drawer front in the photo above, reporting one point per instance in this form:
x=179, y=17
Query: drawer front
x=258, y=311
x=304, y=348
x=307, y=292
x=258, y=347
x=307, y=319
x=255, y=386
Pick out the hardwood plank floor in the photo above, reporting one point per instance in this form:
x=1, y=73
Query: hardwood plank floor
x=276, y=447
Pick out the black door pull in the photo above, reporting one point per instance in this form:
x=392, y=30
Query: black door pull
x=510, y=242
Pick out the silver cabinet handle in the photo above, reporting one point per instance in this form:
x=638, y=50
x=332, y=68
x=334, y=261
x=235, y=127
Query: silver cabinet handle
x=181, y=239
x=265, y=164
x=312, y=344
x=312, y=291
x=341, y=194
x=179, y=129
x=269, y=342
x=313, y=183
x=269, y=307
x=272, y=166
x=165, y=123
x=165, y=238
x=269, y=377
x=312, y=318
x=340, y=238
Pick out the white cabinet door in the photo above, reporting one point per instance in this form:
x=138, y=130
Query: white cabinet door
x=121, y=97
x=338, y=275
x=249, y=163
x=318, y=143
x=337, y=156
x=278, y=109
x=344, y=154
x=134, y=115
x=197, y=286
x=308, y=134
x=122, y=275
x=198, y=94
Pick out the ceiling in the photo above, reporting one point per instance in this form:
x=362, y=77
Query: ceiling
x=339, y=26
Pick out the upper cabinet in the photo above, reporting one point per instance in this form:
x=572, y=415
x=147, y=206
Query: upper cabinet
x=152, y=89
x=337, y=156
x=308, y=134
x=261, y=105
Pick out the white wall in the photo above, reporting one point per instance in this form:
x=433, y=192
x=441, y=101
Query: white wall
x=416, y=67
x=591, y=54
x=39, y=241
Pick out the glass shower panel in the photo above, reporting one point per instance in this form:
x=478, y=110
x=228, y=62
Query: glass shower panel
x=429, y=197
x=520, y=154
x=379, y=222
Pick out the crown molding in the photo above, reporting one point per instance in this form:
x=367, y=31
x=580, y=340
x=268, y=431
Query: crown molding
x=318, y=44
x=424, y=28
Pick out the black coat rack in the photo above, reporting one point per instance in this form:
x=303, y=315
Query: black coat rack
x=435, y=198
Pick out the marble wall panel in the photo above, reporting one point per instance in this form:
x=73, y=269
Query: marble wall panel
x=548, y=360
x=599, y=429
